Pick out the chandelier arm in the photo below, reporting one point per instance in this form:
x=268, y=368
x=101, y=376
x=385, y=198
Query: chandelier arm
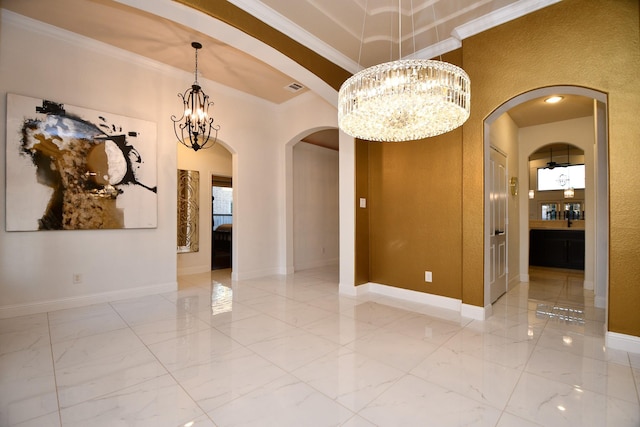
x=208, y=138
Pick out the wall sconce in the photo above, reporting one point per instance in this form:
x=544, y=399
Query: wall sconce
x=513, y=185
x=532, y=194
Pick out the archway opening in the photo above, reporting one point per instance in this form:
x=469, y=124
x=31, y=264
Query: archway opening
x=556, y=193
x=528, y=140
x=312, y=200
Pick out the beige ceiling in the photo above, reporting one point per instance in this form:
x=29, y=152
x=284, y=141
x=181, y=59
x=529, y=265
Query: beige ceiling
x=537, y=112
x=350, y=33
x=161, y=40
x=366, y=32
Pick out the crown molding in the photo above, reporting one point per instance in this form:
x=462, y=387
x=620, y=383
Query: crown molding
x=499, y=17
x=297, y=33
x=437, y=49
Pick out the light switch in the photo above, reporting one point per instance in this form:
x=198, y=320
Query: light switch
x=363, y=202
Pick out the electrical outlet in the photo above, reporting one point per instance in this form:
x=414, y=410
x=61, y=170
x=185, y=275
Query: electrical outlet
x=77, y=278
x=428, y=277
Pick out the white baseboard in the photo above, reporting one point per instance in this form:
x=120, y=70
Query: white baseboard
x=453, y=304
x=316, y=264
x=415, y=296
x=196, y=269
x=588, y=285
x=79, y=301
x=524, y=277
x=476, y=313
x=513, y=281
x=247, y=275
x=351, y=290
x=623, y=342
x=289, y=269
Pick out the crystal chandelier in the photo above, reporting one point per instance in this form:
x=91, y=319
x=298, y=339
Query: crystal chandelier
x=194, y=127
x=404, y=100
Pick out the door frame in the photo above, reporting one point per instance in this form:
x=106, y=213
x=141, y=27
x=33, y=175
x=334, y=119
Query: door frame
x=601, y=204
x=488, y=228
x=211, y=186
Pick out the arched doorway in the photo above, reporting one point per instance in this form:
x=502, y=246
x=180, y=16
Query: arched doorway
x=599, y=221
x=312, y=202
x=219, y=160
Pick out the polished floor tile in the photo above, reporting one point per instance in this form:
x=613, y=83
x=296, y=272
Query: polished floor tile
x=291, y=351
x=83, y=321
x=412, y=401
x=351, y=378
x=286, y=401
x=156, y=402
x=552, y=403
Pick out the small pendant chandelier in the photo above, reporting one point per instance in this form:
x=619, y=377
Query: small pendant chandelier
x=404, y=100
x=569, y=193
x=194, y=128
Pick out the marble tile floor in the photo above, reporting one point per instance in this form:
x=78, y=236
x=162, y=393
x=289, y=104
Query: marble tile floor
x=290, y=351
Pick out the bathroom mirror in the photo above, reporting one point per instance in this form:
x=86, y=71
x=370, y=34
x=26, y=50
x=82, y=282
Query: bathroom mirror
x=188, y=210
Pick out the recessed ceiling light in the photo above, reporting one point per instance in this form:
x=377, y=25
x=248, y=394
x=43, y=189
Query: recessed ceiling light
x=554, y=99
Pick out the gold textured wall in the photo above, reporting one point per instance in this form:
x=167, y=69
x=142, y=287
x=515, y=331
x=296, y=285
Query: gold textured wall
x=362, y=243
x=414, y=216
x=588, y=43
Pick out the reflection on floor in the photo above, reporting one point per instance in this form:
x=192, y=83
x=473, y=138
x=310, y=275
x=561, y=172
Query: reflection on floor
x=290, y=351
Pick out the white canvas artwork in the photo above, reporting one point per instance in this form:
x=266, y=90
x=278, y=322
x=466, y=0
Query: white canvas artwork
x=72, y=168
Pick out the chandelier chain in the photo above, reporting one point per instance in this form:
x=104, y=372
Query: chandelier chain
x=364, y=22
x=196, y=71
x=413, y=29
x=435, y=24
x=399, y=29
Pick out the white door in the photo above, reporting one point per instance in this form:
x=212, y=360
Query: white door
x=498, y=226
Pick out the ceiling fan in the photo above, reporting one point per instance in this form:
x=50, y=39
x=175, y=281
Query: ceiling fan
x=551, y=164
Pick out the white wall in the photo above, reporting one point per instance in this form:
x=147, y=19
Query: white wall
x=504, y=135
x=315, y=206
x=36, y=268
x=581, y=133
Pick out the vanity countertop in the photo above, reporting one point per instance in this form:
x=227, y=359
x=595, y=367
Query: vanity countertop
x=557, y=224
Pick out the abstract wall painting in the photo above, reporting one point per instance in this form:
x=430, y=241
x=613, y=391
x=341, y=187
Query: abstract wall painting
x=72, y=168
